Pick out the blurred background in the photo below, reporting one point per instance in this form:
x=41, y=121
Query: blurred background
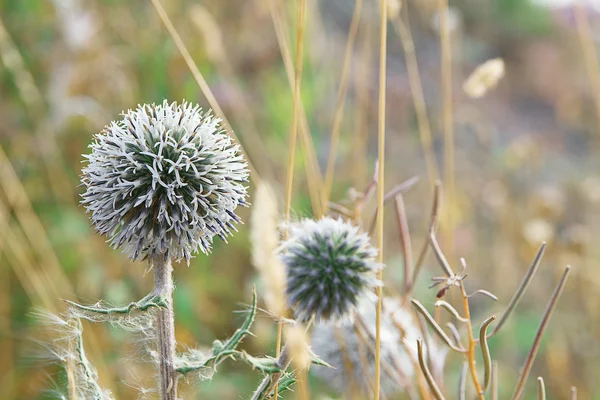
x=526, y=170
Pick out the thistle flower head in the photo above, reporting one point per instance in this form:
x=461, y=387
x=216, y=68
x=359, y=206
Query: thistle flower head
x=330, y=264
x=165, y=179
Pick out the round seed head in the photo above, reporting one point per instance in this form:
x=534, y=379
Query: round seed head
x=330, y=264
x=165, y=179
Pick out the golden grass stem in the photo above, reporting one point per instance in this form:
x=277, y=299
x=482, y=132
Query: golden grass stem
x=300, y=16
x=199, y=78
x=313, y=171
x=341, y=99
x=416, y=88
x=296, y=108
x=520, y=386
x=380, y=182
x=446, y=80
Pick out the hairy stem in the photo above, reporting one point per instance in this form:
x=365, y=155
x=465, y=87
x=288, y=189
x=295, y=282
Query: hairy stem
x=165, y=322
x=269, y=382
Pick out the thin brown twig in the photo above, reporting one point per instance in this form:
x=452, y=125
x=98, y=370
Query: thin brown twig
x=538, y=335
x=416, y=88
x=405, y=242
x=435, y=209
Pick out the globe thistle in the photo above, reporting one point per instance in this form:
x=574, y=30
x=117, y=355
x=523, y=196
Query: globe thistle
x=330, y=264
x=349, y=347
x=165, y=179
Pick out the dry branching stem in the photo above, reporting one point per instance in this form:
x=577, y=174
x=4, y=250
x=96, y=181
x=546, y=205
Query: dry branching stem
x=471, y=347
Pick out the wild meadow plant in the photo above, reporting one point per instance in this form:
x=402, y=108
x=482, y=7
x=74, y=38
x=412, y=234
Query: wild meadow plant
x=166, y=179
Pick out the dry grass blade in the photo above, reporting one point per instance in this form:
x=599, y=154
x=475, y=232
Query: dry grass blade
x=522, y=288
x=541, y=392
x=485, y=352
x=538, y=335
x=300, y=20
x=313, y=171
x=341, y=99
x=416, y=88
x=199, y=78
x=380, y=181
x=405, y=242
x=434, y=325
x=437, y=393
x=435, y=209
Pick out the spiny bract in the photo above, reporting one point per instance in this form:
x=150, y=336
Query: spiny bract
x=330, y=264
x=165, y=179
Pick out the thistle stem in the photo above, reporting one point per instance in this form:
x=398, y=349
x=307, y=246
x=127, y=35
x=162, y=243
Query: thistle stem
x=165, y=321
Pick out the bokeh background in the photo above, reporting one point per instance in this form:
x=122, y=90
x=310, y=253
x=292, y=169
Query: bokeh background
x=527, y=165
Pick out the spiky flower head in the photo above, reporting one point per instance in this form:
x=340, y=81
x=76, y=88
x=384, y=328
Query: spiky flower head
x=330, y=264
x=165, y=179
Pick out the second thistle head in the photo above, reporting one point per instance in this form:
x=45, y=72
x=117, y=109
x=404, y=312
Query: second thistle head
x=330, y=264
x=164, y=180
